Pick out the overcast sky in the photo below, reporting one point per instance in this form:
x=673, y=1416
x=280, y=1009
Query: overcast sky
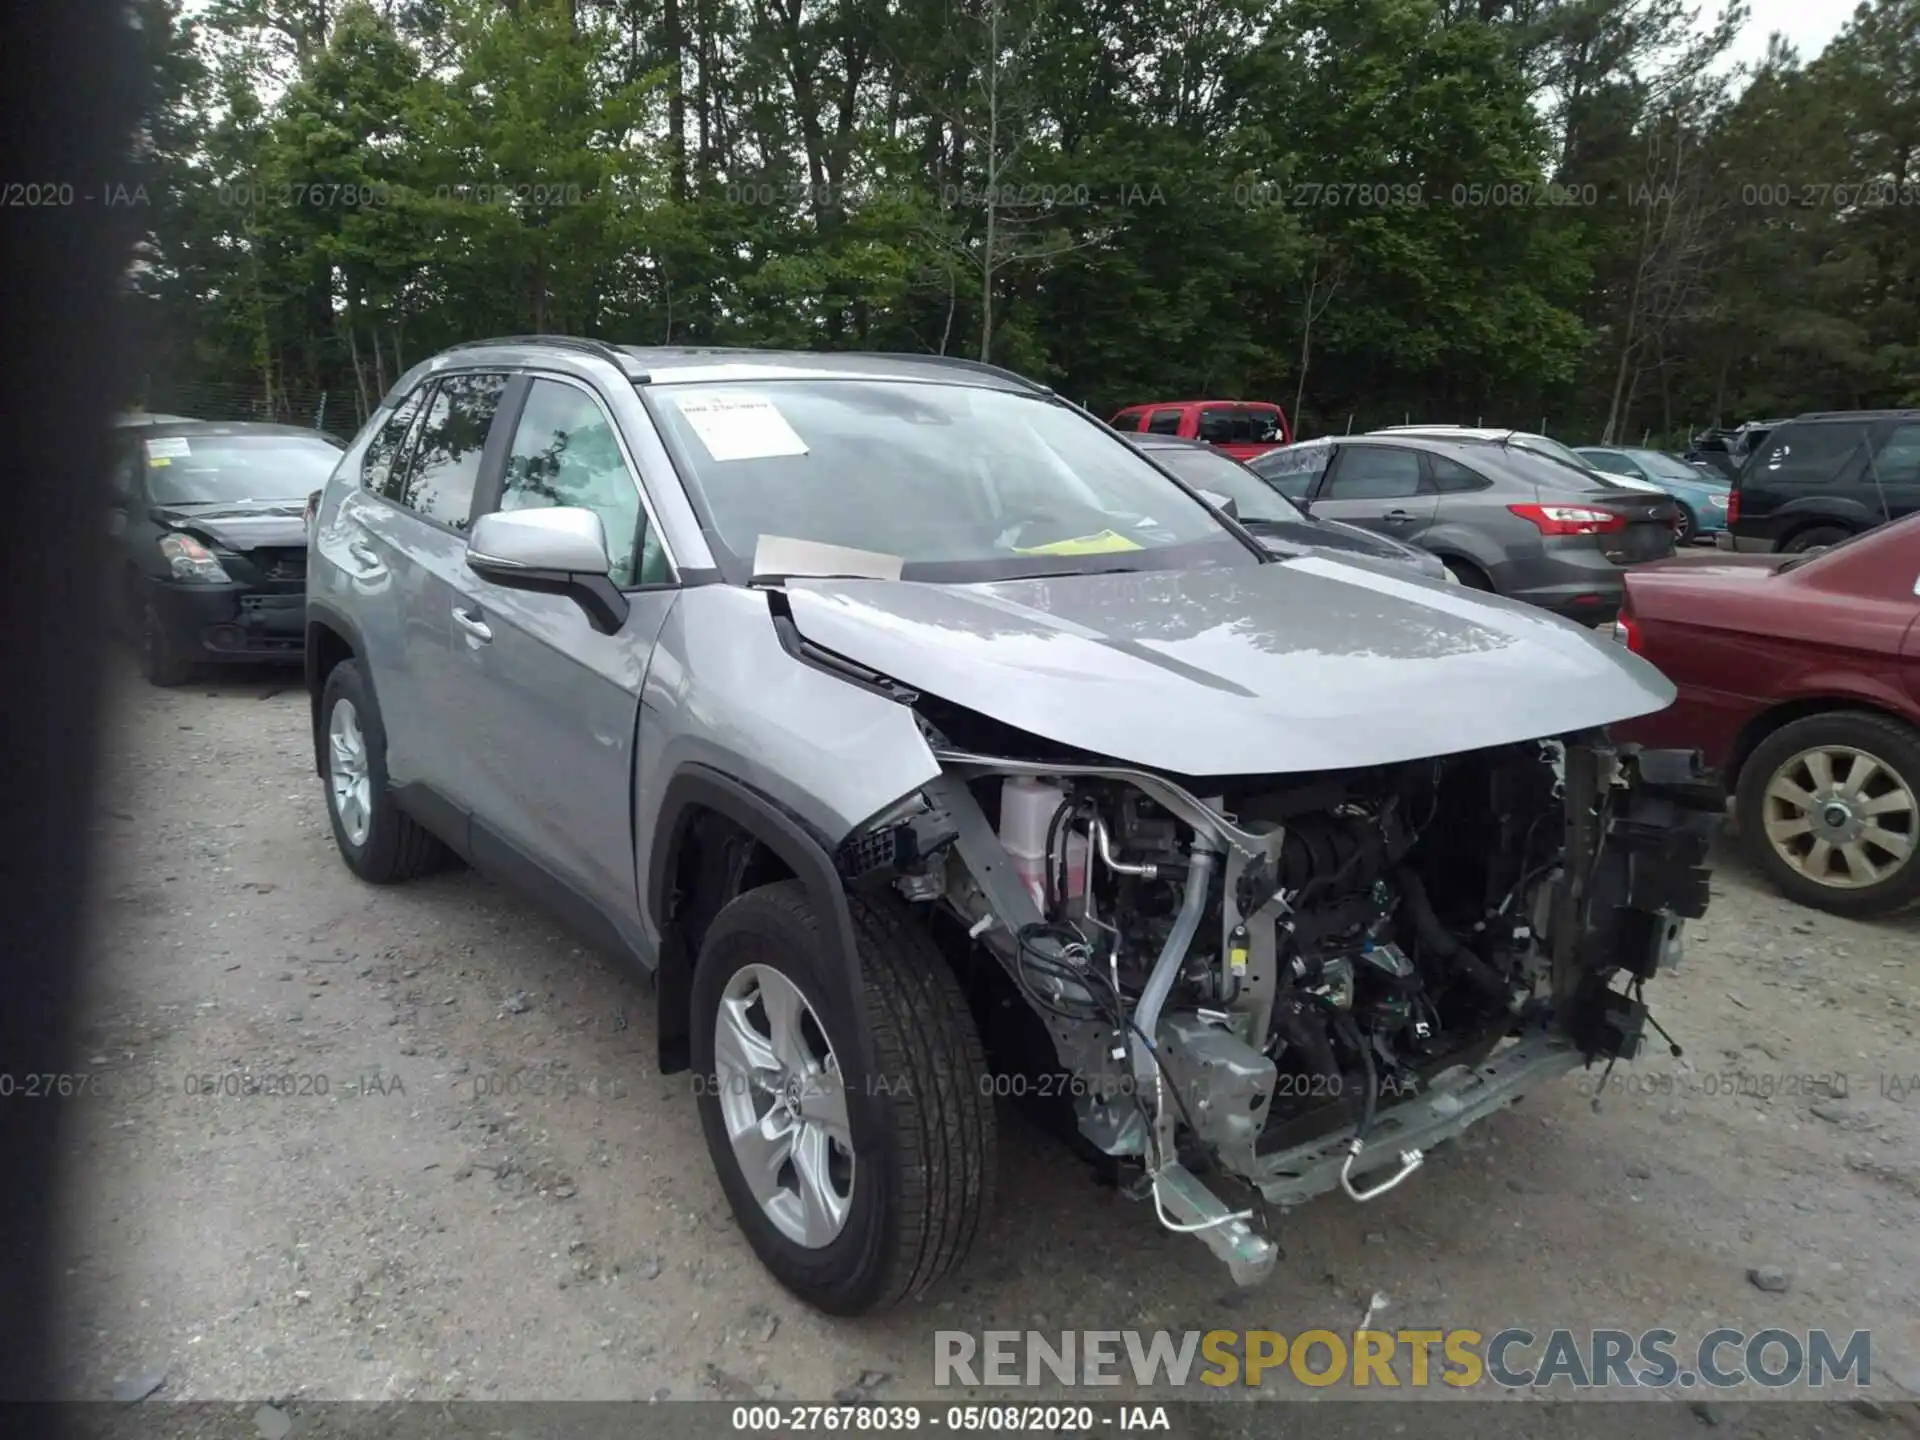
x=1809, y=24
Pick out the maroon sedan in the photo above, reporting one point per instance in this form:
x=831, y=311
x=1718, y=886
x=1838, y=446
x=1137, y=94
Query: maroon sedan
x=1799, y=677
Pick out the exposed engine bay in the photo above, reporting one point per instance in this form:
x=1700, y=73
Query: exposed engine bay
x=1306, y=981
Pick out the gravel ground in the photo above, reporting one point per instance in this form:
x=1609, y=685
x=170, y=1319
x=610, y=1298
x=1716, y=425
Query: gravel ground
x=476, y=1186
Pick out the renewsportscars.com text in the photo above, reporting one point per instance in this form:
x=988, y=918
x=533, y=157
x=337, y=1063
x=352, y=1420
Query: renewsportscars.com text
x=1513, y=1358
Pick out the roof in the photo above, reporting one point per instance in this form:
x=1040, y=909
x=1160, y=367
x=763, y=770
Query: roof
x=1147, y=440
x=673, y=364
x=1855, y=415
x=136, y=417
x=1465, y=432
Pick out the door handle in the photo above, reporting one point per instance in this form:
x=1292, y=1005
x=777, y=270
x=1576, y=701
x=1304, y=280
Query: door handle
x=1398, y=517
x=363, y=552
x=470, y=621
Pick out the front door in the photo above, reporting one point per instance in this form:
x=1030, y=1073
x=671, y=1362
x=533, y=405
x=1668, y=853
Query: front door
x=555, y=704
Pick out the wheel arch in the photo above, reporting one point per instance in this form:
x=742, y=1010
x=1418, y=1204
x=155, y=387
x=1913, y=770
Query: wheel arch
x=331, y=639
x=716, y=838
x=1755, y=732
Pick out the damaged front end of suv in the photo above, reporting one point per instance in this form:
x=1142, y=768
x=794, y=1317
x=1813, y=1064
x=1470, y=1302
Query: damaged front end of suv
x=1299, y=979
x=1309, y=981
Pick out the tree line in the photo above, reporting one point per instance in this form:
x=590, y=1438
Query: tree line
x=1569, y=212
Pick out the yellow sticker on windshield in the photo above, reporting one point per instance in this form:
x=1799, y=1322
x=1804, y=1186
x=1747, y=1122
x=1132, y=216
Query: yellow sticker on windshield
x=1105, y=543
x=154, y=462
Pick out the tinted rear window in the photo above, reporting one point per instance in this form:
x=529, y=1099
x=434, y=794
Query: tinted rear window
x=1807, y=453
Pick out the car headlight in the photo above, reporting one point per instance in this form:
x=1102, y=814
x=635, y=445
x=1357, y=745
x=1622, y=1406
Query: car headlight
x=190, y=560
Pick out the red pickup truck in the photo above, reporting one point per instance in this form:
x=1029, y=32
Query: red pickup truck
x=1241, y=428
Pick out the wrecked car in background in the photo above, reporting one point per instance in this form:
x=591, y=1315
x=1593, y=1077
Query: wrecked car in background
x=892, y=713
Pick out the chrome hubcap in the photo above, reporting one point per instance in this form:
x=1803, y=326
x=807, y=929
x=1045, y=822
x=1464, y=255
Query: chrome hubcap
x=784, y=1105
x=347, y=777
x=1840, y=816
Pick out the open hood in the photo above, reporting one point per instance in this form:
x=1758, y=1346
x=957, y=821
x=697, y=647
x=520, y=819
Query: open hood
x=1310, y=664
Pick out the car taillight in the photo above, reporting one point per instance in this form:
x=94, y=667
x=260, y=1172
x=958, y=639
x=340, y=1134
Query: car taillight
x=1570, y=519
x=1733, y=506
x=1626, y=632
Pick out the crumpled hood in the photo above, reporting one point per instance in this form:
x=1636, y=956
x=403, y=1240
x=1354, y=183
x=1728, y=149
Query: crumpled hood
x=1310, y=664
x=239, y=525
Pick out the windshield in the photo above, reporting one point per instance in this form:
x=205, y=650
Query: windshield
x=1255, y=501
x=1669, y=468
x=957, y=482
x=212, y=469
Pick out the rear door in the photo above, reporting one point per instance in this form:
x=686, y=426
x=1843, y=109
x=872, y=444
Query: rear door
x=416, y=528
x=1383, y=487
x=553, y=706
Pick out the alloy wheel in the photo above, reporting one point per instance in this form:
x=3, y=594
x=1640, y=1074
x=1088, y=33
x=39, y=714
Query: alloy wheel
x=1840, y=816
x=348, y=778
x=784, y=1105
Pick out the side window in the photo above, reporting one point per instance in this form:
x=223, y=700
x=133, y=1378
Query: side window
x=1294, y=469
x=1808, y=453
x=1164, y=422
x=388, y=445
x=1450, y=477
x=1128, y=420
x=1610, y=461
x=565, y=453
x=1898, y=459
x=1375, y=472
x=446, y=457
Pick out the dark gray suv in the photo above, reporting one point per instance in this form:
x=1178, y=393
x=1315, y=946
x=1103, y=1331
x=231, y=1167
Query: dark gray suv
x=1501, y=517
x=926, y=743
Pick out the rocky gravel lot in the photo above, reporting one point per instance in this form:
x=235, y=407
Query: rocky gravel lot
x=471, y=1183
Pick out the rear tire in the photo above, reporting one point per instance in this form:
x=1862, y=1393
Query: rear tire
x=380, y=843
x=1813, y=538
x=1778, y=831
x=902, y=1191
x=1468, y=574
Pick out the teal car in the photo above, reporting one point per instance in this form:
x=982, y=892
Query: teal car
x=1702, y=493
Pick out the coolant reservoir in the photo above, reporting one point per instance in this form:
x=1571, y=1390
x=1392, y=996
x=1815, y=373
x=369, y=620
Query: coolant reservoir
x=1027, y=808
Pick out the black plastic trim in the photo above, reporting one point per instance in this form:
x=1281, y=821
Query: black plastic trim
x=699, y=787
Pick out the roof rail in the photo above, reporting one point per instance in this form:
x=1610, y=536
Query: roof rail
x=978, y=367
x=566, y=342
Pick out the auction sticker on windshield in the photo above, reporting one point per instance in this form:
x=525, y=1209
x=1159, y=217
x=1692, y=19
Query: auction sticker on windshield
x=743, y=428
x=173, y=447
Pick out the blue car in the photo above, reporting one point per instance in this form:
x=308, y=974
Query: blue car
x=1702, y=493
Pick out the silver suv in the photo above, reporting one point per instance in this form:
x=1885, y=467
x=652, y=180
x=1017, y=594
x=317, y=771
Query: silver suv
x=926, y=742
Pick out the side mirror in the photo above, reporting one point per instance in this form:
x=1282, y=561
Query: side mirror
x=557, y=551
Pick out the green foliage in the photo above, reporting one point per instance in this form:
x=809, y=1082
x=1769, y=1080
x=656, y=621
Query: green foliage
x=1449, y=209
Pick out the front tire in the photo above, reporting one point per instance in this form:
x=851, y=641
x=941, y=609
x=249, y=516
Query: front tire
x=1688, y=530
x=1829, y=810
x=160, y=658
x=378, y=841
x=857, y=1190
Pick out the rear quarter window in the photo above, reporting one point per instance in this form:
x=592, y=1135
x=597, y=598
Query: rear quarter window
x=1807, y=454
